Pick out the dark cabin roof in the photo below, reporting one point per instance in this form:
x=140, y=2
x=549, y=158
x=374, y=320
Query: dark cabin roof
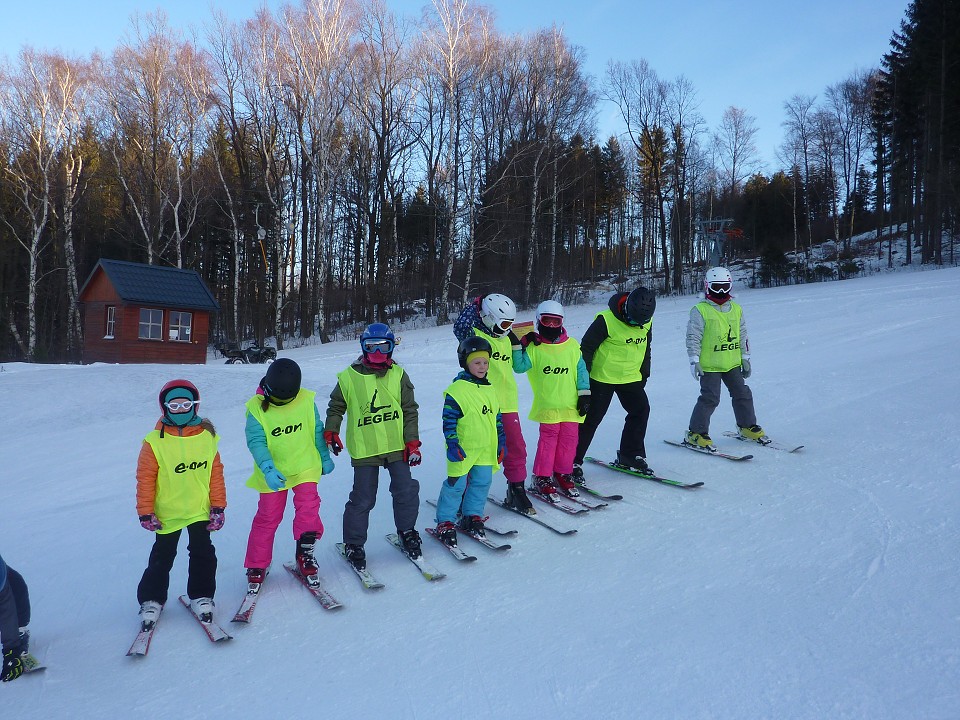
x=156, y=285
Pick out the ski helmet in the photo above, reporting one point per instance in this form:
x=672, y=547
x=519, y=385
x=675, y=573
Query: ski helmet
x=179, y=389
x=549, y=308
x=472, y=344
x=640, y=306
x=718, y=282
x=498, y=313
x=377, y=339
x=282, y=381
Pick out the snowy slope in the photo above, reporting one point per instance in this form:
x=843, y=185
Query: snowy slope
x=821, y=584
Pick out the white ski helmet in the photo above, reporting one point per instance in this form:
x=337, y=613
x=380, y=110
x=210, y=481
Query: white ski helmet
x=549, y=307
x=718, y=282
x=498, y=313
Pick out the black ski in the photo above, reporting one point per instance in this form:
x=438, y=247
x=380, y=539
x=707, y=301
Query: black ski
x=655, y=478
x=533, y=518
x=493, y=528
x=558, y=501
x=453, y=549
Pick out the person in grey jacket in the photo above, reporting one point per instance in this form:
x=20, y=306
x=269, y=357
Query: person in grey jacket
x=14, y=618
x=718, y=348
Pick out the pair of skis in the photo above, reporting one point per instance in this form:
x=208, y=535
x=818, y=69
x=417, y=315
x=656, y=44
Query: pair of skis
x=141, y=644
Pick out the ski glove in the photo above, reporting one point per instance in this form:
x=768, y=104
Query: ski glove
x=583, y=405
x=501, y=454
x=514, y=340
x=696, y=370
x=529, y=339
x=274, y=477
x=411, y=453
x=12, y=665
x=326, y=466
x=333, y=441
x=216, y=519
x=745, y=367
x=455, y=453
x=150, y=522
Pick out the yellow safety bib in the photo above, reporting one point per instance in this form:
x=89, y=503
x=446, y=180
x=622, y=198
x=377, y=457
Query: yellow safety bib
x=477, y=429
x=375, y=418
x=619, y=357
x=720, y=347
x=553, y=378
x=291, y=440
x=183, y=479
x=500, y=373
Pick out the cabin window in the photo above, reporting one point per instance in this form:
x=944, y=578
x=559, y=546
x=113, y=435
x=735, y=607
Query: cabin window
x=180, y=323
x=111, y=322
x=151, y=324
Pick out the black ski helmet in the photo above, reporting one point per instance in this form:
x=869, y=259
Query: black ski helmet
x=282, y=381
x=640, y=306
x=472, y=344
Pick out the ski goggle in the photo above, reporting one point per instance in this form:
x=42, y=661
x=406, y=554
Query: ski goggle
x=504, y=325
x=180, y=405
x=552, y=321
x=719, y=288
x=380, y=345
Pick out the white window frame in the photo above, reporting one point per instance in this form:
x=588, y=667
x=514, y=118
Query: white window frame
x=111, y=322
x=178, y=331
x=151, y=323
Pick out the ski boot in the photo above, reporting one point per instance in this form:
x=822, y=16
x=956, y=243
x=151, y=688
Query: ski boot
x=203, y=608
x=566, y=485
x=577, y=474
x=149, y=612
x=543, y=485
x=637, y=463
x=255, y=577
x=754, y=433
x=518, y=500
x=699, y=440
x=410, y=542
x=305, y=559
x=473, y=524
x=447, y=533
x=355, y=555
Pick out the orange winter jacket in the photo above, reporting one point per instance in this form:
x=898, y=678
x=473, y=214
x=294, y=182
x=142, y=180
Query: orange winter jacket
x=148, y=469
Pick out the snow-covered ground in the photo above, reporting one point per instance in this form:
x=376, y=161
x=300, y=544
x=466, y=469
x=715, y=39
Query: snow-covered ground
x=821, y=584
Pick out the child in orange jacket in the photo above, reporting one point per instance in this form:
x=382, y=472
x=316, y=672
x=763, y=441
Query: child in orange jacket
x=180, y=485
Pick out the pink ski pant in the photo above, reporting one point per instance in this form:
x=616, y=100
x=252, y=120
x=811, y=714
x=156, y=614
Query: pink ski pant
x=556, y=448
x=306, y=518
x=515, y=461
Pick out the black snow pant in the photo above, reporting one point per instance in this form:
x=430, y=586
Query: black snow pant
x=201, y=572
x=633, y=398
x=406, y=500
x=14, y=608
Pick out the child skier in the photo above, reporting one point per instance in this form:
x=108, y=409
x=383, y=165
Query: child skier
x=377, y=395
x=491, y=317
x=616, y=351
x=285, y=437
x=719, y=351
x=14, y=618
x=180, y=485
x=561, y=398
x=476, y=443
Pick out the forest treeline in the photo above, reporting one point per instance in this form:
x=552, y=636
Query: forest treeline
x=335, y=163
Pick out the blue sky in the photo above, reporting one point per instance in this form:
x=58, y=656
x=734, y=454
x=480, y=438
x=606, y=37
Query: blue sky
x=751, y=53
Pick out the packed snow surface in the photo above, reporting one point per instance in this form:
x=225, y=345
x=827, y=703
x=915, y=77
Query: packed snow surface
x=818, y=584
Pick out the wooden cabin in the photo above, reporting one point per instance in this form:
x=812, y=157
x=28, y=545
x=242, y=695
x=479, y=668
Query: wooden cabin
x=135, y=313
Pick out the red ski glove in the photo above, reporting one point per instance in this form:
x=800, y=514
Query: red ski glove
x=411, y=453
x=333, y=441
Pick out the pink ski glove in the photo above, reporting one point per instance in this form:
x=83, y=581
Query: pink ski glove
x=216, y=519
x=150, y=522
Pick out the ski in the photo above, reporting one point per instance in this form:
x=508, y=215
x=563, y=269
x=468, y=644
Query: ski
x=533, y=518
x=704, y=451
x=558, y=503
x=368, y=580
x=31, y=664
x=495, y=529
x=428, y=571
x=485, y=541
x=213, y=631
x=141, y=644
x=596, y=493
x=326, y=600
x=454, y=549
x=655, y=478
x=771, y=444
x=588, y=504
x=249, y=604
